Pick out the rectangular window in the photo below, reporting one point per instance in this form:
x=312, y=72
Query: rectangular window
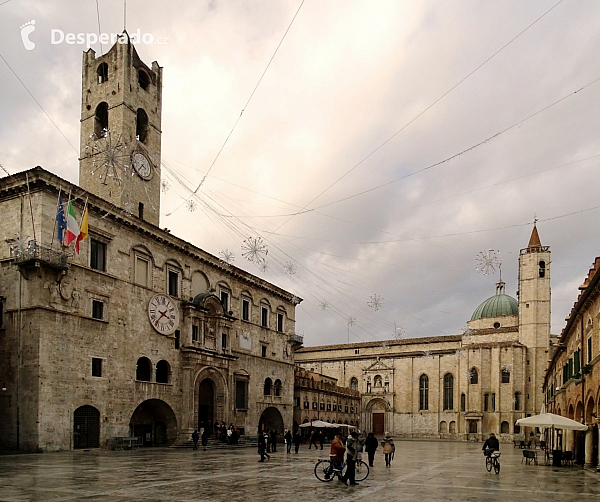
x=195, y=332
x=263, y=350
x=315, y=405
x=96, y=367
x=177, y=335
x=97, y=255
x=241, y=394
x=335, y=407
x=97, y=309
x=486, y=403
x=224, y=341
x=225, y=300
x=140, y=210
x=351, y=409
x=245, y=310
x=306, y=405
x=264, y=317
x=141, y=271
x=589, y=347
x=322, y=406
x=297, y=402
x=505, y=376
x=577, y=362
x=173, y=283
x=280, y=322
x=328, y=406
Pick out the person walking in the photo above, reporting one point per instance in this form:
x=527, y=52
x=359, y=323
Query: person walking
x=288, y=441
x=313, y=440
x=371, y=445
x=360, y=445
x=262, y=446
x=195, y=437
x=297, y=440
x=273, y=440
x=204, y=439
x=350, y=459
x=321, y=437
x=388, y=449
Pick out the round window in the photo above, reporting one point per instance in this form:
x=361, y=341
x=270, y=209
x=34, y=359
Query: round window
x=496, y=325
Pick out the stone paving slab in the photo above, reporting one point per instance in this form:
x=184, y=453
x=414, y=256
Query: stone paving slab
x=421, y=471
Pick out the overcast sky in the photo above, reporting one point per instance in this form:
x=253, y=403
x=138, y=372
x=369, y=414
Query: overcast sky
x=347, y=77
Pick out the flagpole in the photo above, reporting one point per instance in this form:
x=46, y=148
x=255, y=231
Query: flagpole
x=57, y=205
x=30, y=207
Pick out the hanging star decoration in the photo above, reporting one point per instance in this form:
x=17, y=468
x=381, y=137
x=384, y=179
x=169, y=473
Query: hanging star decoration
x=255, y=250
x=506, y=368
x=399, y=332
x=191, y=205
x=376, y=302
x=290, y=268
x=164, y=186
x=324, y=305
x=488, y=261
x=110, y=158
x=227, y=256
x=264, y=266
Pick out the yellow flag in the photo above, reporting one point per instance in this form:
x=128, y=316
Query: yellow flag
x=83, y=230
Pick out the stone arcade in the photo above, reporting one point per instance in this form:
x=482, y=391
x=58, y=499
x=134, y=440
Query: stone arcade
x=141, y=334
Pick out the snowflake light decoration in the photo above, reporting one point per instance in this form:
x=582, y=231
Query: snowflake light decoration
x=488, y=261
x=110, y=158
x=324, y=304
x=191, y=205
x=227, y=256
x=255, y=250
x=128, y=208
x=164, y=186
x=264, y=266
x=469, y=374
x=399, y=332
x=376, y=302
x=290, y=268
x=351, y=321
x=506, y=368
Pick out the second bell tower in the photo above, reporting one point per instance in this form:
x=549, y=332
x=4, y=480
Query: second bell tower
x=121, y=106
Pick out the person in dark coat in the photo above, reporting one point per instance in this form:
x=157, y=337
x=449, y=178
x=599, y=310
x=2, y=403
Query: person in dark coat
x=321, y=437
x=273, y=440
x=204, y=439
x=288, y=441
x=491, y=445
x=313, y=439
x=350, y=459
x=297, y=440
x=262, y=446
x=195, y=437
x=371, y=445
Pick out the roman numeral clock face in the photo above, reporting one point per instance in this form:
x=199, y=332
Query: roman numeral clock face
x=163, y=314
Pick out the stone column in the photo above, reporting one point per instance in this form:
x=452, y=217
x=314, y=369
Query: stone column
x=588, y=447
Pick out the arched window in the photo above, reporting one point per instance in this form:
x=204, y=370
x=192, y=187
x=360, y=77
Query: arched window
x=277, y=387
x=474, y=376
x=443, y=427
x=268, y=383
x=143, y=79
x=452, y=427
x=463, y=402
x=102, y=73
x=504, y=428
x=378, y=381
x=505, y=375
x=517, y=401
x=542, y=269
x=101, y=120
x=143, y=370
x=141, y=125
x=162, y=371
x=424, y=392
x=354, y=383
x=448, y=391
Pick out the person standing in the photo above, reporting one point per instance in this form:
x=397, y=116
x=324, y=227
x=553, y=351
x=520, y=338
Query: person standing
x=337, y=453
x=321, y=437
x=195, y=437
x=313, y=440
x=262, y=446
x=204, y=439
x=288, y=440
x=388, y=449
x=297, y=440
x=360, y=445
x=350, y=459
x=371, y=445
x=273, y=440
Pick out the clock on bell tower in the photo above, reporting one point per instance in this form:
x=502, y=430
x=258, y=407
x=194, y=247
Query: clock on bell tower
x=121, y=107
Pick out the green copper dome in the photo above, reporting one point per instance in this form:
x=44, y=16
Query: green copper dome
x=498, y=305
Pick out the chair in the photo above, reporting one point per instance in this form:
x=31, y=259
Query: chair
x=515, y=443
x=567, y=458
x=542, y=445
x=522, y=444
x=528, y=456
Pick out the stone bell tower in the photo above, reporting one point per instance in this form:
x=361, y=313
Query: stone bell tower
x=121, y=106
x=534, y=317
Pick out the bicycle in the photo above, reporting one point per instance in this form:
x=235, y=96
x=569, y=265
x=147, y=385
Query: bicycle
x=327, y=470
x=493, y=462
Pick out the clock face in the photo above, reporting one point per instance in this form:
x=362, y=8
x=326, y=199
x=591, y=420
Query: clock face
x=141, y=165
x=163, y=314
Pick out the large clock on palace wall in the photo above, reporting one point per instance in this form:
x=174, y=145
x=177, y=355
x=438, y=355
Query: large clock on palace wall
x=141, y=164
x=163, y=314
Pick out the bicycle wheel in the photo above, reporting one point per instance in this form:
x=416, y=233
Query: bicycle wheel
x=362, y=471
x=324, y=471
x=488, y=464
x=497, y=466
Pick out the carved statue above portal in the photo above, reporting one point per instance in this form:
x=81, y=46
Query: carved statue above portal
x=75, y=297
x=54, y=289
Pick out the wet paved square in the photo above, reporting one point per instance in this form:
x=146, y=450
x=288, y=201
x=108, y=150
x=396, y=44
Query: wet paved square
x=422, y=470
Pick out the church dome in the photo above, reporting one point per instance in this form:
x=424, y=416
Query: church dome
x=499, y=305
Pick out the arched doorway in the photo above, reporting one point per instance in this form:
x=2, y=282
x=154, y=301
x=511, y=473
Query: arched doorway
x=206, y=404
x=378, y=408
x=86, y=427
x=271, y=419
x=154, y=421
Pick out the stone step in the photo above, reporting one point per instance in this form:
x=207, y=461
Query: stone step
x=214, y=444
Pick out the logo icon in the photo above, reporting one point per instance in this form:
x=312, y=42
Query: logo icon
x=26, y=30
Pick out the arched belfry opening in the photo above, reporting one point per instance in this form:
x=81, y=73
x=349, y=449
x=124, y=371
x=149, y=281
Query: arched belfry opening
x=102, y=73
x=141, y=126
x=101, y=119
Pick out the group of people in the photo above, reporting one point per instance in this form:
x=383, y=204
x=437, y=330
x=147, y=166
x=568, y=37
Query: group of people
x=267, y=442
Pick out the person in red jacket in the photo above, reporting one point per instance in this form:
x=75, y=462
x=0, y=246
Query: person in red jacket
x=337, y=450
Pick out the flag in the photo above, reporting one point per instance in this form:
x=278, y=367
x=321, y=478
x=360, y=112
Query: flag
x=60, y=219
x=83, y=230
x=72, y=226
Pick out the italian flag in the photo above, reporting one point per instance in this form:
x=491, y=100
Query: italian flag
x=83, y=230
x=72, y=226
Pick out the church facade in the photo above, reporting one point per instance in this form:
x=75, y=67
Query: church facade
x=463, y=386
x=140, y=334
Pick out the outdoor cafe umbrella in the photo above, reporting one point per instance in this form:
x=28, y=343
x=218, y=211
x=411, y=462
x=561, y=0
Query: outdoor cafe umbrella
x=317, y=423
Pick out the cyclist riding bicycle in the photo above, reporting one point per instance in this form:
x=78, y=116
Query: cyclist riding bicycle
x=491, y=445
